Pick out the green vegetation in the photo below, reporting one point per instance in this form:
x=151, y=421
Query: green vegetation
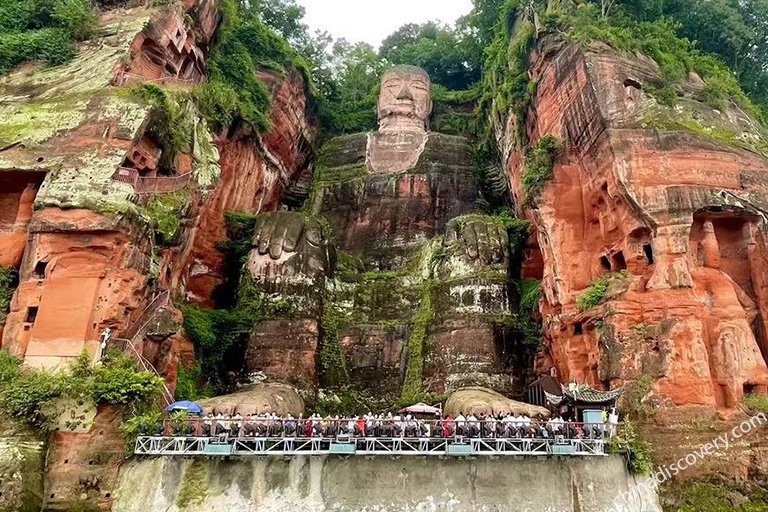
x=597, y=291
x=529, y=322
x=720, y=134
x=638, y=453
x=188, y=381
x=166, y=212
x=698, y=496
x=733, y=31
x=632, y=401
x=8, y=280
x=756, y=403
x=245, y=43
x=539, y=166
x=44, y=30
x=26, y=393
x=414, y=371
x=506, y=85
x=171, y=121
x=658, y=38
x=219, y=335
x=333, y=364
x=235, y=249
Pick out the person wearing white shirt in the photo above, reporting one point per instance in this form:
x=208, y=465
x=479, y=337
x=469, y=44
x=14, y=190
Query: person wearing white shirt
x=460, y=420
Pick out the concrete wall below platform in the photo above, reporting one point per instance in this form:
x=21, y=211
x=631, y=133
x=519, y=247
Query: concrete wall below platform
x=359, y=484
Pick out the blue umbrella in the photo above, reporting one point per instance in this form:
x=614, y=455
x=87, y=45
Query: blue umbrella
x=185, y=405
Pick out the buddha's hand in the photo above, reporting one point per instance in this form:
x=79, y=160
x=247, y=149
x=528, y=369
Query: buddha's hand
x=293, y=239
x=481, y=238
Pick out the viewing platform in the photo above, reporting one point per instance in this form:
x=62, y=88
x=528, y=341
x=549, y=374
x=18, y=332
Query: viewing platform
x=367, y=446
x=572, y=440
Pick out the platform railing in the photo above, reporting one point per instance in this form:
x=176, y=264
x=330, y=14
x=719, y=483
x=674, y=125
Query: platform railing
x=249, y=437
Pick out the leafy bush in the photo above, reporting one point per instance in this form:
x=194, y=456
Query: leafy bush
x=245, y=44
x=188, y=383
x=116, y=382
x=143, y=424
x=166, y=212
x=597, y=291
x=77, y=16
x=506, y=85
x=44, y=30
x=8, y=281
x=539, y=166
x=171, y=125
x=594, y=295
x=639, y=456
x=756, y=403
x=25, y=392
x=529, y=319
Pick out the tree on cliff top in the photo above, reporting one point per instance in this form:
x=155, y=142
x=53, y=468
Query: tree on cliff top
x=44, y=30
x=734, y=30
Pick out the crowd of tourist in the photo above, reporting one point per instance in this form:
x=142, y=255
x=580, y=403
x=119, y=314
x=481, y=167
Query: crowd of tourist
x=385, y=426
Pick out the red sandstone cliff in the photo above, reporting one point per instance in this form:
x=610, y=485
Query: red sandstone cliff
x=681, y=212
x=77, y=178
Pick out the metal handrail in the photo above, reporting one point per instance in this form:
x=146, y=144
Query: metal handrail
x=385, y=428
x=160, y=301
x=148, y=367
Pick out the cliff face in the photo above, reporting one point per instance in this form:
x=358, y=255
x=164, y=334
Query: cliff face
x=661, y=223
x=257, y=172
x=104, y=221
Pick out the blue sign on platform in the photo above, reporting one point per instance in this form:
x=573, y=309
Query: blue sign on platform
x=218, y=449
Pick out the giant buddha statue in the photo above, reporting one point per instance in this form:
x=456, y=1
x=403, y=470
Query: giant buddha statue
x=388, y=198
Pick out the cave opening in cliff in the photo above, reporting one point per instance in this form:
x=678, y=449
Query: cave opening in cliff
x=618, y=262
x=40, y=267
x=648, y=252
x=18, y=190
x=720, y=239
x=31, y=314
x=605, y=263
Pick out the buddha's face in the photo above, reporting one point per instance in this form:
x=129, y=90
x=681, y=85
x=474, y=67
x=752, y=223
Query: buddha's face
x=405, y=102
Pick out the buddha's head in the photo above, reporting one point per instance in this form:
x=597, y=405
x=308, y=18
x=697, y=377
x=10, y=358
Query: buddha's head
x=405, y=101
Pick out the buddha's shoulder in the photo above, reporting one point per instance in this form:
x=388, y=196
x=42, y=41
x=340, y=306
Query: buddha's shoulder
x=343, y=150
x=446, y=152
x=440, y=151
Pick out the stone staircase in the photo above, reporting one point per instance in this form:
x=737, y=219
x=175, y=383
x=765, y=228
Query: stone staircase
x=136, y=332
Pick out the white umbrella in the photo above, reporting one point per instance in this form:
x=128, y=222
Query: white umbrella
x=422, y=408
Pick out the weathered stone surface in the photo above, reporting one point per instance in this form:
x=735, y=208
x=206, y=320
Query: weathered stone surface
x=16, y=207
x=280, y=399
x=22, y=465
x=477, y=400
x=357, y=484
x=284, y=350
x=82, y=467
x=255, y=174
x=405, y=100
x=472, y=305
x=169, y=50
x=382, y=218
x=679, y=210
x=374, y=356
x=82, y=272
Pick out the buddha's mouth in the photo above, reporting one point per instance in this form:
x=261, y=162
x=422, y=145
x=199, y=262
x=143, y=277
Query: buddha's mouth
x=400, y=108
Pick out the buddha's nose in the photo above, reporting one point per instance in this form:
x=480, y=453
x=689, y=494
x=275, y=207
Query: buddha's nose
x=405, y=93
